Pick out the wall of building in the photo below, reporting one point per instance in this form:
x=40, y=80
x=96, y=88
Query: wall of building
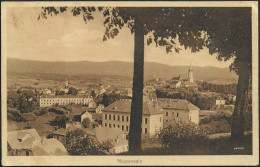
x=155, y=123
x=220, y=102
x=194, y=116
x=50, y=101
x=175, y=116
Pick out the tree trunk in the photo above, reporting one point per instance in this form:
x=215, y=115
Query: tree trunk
x=238, y=120
x=137, y=98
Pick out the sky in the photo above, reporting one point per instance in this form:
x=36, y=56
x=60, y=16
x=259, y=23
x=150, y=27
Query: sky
x=68, y=38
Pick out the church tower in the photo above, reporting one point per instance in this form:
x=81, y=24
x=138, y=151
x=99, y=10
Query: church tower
x=190, y=74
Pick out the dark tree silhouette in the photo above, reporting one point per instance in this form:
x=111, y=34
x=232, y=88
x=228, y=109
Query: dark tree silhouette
x=217, y=28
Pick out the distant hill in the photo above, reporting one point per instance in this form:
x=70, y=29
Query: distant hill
x=152, y=70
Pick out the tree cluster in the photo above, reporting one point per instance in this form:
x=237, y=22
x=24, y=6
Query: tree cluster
x=219, y=88
x=78, y=143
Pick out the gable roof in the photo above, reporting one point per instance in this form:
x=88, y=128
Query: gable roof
x=149, y=108
x=22, y=139
x=177, y=104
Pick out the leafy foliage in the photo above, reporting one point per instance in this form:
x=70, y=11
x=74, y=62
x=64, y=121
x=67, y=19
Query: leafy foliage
x=60, y=121
x=77, y=143
x=86, y=123
x=72, y=91
x=173, y=136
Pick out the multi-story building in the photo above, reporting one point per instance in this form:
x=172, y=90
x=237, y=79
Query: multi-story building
x=47, y=101
x=178, y=111
x=117, y=115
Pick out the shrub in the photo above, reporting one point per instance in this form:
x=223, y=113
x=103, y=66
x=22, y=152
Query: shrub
x=40, y=112
x=86, y=123
x=174, y=136
x=59, y=111
x=77, y=143
x=218, y=126
x=15, y=115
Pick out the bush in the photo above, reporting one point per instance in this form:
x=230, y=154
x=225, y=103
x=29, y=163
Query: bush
x=219, y=126
x=40, y=112
x=174, y=136
x=86, y=123
x=77, y=143
x=14, y=115
x=59, y=111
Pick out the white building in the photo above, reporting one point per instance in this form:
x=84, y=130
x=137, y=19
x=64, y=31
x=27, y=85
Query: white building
x=47, y=101
x=178, y=111
x=220, y=101
x=117, y=115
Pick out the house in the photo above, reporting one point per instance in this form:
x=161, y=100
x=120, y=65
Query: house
x=129, y=92
x=20, y=142
x=85, y=115
x=220, y=101
x=100, y=108
x=28, y=143
x=148, y=89
x=178, y=111
x=117, y=115
x=116, y=137
x=60, y=134
x=92, y=104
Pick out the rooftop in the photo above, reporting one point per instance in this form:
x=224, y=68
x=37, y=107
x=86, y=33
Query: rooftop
x=22, y=139
x=177, y=104
x=65, y=96
x=149, y=108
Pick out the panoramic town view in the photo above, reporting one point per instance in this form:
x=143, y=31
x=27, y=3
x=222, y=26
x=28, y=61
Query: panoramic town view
x=119, y=81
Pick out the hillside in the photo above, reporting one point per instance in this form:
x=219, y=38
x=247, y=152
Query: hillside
x=152, y=70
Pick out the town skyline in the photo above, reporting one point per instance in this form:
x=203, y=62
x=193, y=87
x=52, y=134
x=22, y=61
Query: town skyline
x=76, y=42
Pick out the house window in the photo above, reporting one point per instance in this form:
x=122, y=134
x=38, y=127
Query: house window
x=109, y=117
x=127, y=128
x=172, y=113
x=126, y=118
x=105, y=124
x=110, y=125
x=145, y=130
x=114, y=125
x=166, y=113
x=177, y=114
x=123, y=128
x=27, y=153
x=123, y=118
x=105, y=116
x=118, y=118
x=114, y=117
x=118, y=126
x=146, y=120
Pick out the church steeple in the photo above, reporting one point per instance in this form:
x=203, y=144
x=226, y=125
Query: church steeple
x=190, y=74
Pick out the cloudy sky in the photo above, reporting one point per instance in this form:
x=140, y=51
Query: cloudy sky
x=67, y=38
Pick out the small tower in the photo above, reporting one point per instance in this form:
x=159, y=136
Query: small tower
x=190, y=74
x=66, y=83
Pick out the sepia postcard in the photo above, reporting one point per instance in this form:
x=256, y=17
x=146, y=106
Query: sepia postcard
x=138, y=83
